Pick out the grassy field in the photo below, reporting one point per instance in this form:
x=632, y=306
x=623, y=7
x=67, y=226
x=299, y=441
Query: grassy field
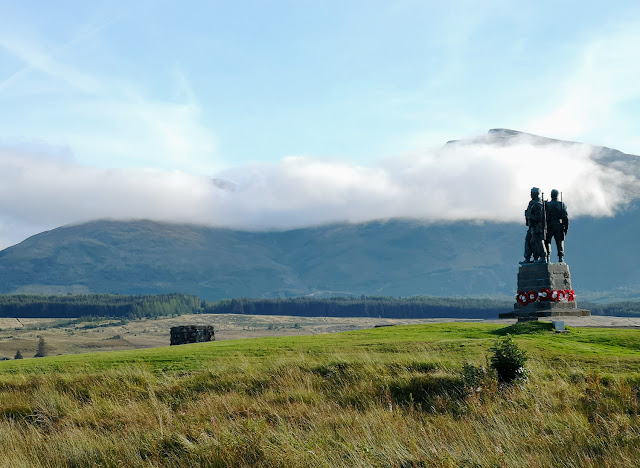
x=64, y=336
x=391, y=396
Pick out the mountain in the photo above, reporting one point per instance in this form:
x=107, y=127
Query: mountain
x=397, y=257
x=392, y=258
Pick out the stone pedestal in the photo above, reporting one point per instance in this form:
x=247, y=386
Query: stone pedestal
x=540, y=280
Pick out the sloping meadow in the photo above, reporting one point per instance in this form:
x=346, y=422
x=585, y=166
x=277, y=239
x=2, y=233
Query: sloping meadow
x=393, y=396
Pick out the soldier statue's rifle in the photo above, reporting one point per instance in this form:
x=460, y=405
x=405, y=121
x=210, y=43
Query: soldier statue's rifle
x=562, y=210
x=544, y=228
x=544, y=215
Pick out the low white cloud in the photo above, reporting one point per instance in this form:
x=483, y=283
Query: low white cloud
x=480, y=180
x=466, y=181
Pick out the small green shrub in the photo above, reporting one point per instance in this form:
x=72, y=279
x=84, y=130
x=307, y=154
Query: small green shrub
x=509, y=361
x=473, y=377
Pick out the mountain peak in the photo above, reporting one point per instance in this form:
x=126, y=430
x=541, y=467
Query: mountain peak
x=506, y=136
x=505, y=132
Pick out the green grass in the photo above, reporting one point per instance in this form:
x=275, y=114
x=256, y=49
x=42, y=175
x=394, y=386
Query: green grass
x=390, y=396
x=449, y=343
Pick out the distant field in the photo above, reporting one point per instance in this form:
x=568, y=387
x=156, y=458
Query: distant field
x=392, y=396
x=111, y=335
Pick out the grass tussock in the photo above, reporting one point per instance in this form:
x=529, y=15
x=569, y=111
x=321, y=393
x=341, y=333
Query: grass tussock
x=413, y=404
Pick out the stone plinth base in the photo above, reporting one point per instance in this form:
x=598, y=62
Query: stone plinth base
x=536, y=276
x=547, y=313
x=547, y=306
x=545, y=276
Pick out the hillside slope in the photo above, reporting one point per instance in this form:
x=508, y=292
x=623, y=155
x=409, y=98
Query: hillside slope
x=393, y=258
x=396, y=258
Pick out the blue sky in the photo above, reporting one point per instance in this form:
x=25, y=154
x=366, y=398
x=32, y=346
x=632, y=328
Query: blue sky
x=220, y=88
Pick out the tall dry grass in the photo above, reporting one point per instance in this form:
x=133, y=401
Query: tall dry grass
x=330, y=411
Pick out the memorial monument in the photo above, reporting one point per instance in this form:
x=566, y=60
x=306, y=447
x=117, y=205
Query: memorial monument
x=544, y=288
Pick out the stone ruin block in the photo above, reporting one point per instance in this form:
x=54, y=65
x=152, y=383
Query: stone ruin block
x=192, y=334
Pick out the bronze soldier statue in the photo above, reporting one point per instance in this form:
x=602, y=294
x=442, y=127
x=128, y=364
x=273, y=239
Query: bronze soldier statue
x=557, y=225
x=536, y=220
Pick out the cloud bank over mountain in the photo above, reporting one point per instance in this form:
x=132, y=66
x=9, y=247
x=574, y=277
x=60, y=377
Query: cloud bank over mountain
x=484, y=179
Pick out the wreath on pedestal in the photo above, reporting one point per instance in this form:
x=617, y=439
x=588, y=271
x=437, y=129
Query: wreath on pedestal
x=522, y=299
x=554, y=295
x=544, y=295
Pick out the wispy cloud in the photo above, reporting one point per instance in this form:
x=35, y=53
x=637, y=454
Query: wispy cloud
x=37, y=59
x=139, y=132
x=106, y=120
x=592, y=97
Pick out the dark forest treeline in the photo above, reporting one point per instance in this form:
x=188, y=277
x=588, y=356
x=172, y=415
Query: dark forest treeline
x=364, y=306
x=97, y=305
x=392, y=307
x=616, y=309
x=132, y=307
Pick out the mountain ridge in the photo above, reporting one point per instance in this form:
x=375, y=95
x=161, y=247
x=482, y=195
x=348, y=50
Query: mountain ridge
x=395, y=257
